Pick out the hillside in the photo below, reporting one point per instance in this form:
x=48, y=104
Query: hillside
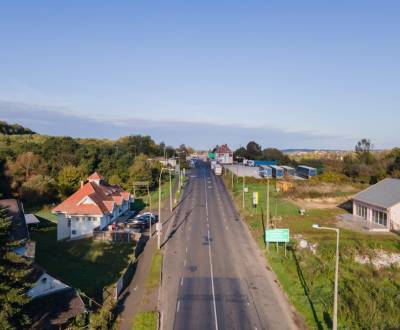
x=14, y=129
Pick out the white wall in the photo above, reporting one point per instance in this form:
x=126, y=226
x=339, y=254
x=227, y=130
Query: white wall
x=394, y=217
x=63, y=231
x=82, y=226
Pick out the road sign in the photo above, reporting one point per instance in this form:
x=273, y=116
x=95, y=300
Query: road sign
x=246, y=189
x=158, y=226
x=211, y=155
x=255, y=198
x=277, y=236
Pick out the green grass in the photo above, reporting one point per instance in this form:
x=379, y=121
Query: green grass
x=145, y=321
x=153, y=278
x=368, y=299
x=85, y=264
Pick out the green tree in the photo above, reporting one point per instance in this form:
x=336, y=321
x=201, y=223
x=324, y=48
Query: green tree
x=13, y=272
x=140, y=169
x=253, y=150
x=39, y=189
x=363, y=149
x=69, y=179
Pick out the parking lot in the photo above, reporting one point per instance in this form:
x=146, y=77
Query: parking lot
x=241, y=170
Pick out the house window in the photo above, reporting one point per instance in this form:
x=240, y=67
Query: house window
x=379, y=217
x=73, y=232
x=361, y=211
x=69, y=222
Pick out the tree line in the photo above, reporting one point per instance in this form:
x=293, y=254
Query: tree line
x=363, y=164
x=44, y=169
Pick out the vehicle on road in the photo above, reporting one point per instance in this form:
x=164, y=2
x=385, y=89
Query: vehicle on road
x=218, y=169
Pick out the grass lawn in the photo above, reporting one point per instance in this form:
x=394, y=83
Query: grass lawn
x=85, y=264
x=145, y=321
x=368, y=298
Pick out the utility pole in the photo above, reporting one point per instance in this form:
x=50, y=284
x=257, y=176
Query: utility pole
x=335, y=296
x=145, y=184
x=267, y=209
x=232, y=179
x=243, y=192
x=170, y=191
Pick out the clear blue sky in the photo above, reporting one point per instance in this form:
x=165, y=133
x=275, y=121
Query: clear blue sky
x=296, y=73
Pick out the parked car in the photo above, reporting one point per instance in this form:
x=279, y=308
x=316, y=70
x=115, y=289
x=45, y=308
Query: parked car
x=144, y=219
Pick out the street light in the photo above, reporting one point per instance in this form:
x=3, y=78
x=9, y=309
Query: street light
x=159, y=199
x=335, y=297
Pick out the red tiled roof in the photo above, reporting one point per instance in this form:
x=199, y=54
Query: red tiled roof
x=224, y=149
x=95, y=176
x=102, y=198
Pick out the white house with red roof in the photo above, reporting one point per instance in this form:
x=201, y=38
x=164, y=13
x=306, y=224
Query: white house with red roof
x=95, y=204
x=224, y=155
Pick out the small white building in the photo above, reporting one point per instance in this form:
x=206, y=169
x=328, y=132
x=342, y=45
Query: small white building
x=95, y=205
x=380, y=204
x=224, y=155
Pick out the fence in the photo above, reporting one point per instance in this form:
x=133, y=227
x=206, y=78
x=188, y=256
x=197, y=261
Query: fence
x=117, y=236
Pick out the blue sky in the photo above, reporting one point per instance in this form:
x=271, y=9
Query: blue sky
x=291, y=74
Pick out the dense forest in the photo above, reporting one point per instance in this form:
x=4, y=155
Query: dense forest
x=363, y=165
x=43, y=169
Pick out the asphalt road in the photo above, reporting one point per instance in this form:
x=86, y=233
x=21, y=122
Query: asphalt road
x=214, y=274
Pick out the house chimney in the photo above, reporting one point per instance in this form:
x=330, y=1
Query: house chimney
x=81, y=183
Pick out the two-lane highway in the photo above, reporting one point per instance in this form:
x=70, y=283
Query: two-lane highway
x=214, y=276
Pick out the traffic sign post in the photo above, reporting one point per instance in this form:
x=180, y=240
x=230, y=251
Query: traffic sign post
x=277, y=236
x=255, y=199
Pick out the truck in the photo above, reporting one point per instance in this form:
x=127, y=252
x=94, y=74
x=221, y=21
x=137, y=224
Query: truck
x=265, y=171
x=306, y=171
x=218, y=169
x=277, y=172
x=255, y=163
x=265, y=162
x=213, y=164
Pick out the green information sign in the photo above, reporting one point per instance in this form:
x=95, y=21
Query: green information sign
x=211, y=155
x=277, y=236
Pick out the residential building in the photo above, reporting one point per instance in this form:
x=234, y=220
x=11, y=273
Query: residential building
x=53, y=302
x=95, y=205
x=224, y=155
x=380, y=204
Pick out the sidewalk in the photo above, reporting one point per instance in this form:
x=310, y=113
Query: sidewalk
x=133, y=299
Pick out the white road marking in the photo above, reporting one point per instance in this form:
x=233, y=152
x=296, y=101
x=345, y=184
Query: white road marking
x=181, y=281
x=186, y=249
x=211, y=266
x=184, y=263
x=177, y=306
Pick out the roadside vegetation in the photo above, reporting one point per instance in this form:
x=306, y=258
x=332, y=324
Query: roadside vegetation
x=368, y=297
x=145, y=321
x=153, y=280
